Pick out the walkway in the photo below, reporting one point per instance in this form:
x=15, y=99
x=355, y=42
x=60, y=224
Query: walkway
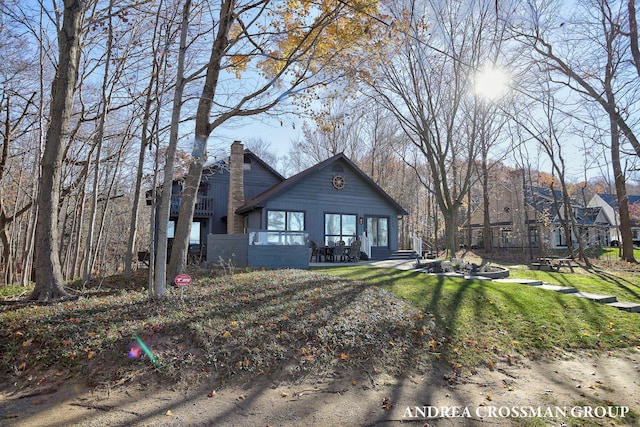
x=609, y=300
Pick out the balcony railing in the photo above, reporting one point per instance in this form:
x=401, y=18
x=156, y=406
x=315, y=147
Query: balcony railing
x=204, y=206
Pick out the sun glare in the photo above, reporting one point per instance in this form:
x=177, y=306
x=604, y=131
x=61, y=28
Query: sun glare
x=491, y=83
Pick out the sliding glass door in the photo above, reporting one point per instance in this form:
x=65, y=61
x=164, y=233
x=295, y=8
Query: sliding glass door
x=378, y=231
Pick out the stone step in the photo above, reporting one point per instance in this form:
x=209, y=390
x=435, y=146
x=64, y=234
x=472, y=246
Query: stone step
x=560, y=289
x=472, y=277
x=529, y=282
x=604, y=299
x=626, y=306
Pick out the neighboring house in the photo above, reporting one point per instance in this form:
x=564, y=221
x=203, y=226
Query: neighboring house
x=243, y=202
x=608, y=204
x=533, y=217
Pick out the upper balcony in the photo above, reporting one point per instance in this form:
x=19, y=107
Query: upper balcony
x=204, y=206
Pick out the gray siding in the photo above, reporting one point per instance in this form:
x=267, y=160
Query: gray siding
x=257, y=179
x=234, y=249
x=227, y=249
x=316, y=196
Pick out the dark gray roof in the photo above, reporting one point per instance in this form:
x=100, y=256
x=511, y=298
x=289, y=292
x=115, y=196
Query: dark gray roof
x=224, y=164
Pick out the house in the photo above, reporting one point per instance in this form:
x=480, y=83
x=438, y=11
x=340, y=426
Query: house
x=527, y=216
x=249, y=215
x=608, y=204
x=210, y=214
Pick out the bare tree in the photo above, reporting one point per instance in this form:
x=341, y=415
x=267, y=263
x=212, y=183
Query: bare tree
x=160, y=271
x=162, y=35
x=427, y=82
x=49, y=280
x=591, y=60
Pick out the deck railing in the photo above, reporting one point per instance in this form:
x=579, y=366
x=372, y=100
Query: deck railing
x=204, y=206
x=416, y=245
x=365, y=246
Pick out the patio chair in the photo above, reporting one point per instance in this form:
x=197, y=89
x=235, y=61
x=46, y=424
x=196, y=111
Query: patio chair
x=354, y=251
x=339, y=253
x=314, y=251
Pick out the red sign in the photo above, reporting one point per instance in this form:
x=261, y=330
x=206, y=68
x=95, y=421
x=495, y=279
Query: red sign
x=182, y=280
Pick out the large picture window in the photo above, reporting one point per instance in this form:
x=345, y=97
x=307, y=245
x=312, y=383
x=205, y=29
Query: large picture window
x=339, y=227
x=285, y=221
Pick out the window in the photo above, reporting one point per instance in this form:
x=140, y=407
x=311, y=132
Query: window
x=378, y=231
x=506, y=237
x=194, y=237
x=533, y=236
x=171, y=229
x=285, y=221
x=339, y=227
x=560, y=237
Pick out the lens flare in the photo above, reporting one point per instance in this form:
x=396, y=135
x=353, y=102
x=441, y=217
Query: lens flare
x=135, y=352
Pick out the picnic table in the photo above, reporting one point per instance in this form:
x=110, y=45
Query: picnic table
x=552, y=264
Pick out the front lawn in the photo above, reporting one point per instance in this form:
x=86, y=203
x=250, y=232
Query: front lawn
x=488, y=322
x=293, y=323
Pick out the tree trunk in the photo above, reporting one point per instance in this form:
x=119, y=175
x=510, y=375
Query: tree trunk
x=487, y=241
x=49, y=280
x=105, y=101
x=179, y=250
x=145, y=141
x=162, y=219
x=450, y=226
x=621, y=192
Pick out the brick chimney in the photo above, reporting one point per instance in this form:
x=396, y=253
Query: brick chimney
x=235, y=223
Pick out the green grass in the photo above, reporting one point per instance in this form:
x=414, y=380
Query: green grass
x=294, y=322
x=622, y=284
x=486, y=322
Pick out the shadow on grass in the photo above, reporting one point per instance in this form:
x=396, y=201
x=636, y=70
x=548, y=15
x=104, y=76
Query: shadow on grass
x=245, y=329
x=265, y=329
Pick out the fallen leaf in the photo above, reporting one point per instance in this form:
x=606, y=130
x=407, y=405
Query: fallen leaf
x=386, y=404
x=344, y=356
